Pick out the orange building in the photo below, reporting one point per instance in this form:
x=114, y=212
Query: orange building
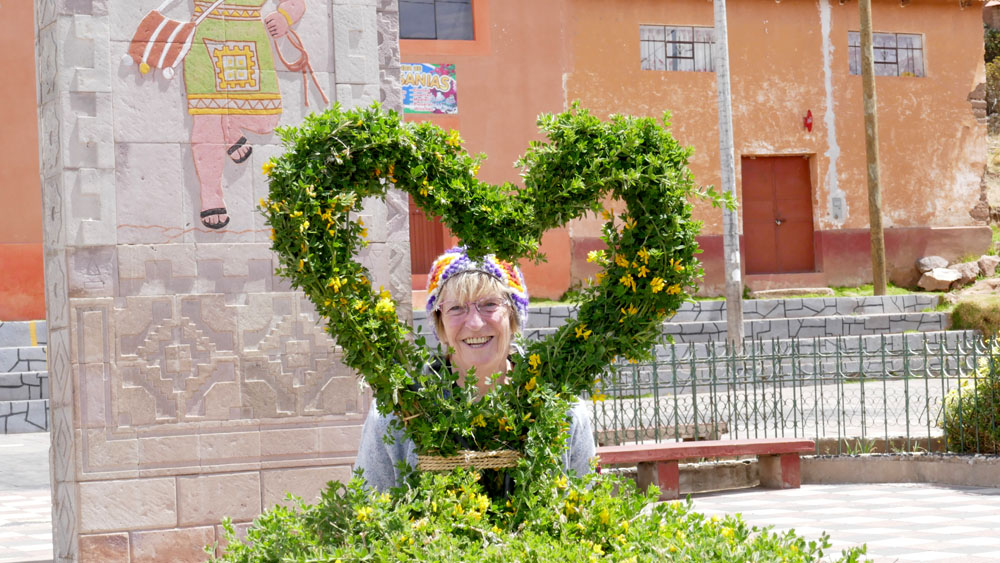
x=802, y=190
x=21, y=279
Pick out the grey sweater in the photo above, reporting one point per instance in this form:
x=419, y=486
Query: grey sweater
x=378, y=459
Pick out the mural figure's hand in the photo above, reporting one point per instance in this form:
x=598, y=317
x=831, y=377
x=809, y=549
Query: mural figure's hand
x=277, y=24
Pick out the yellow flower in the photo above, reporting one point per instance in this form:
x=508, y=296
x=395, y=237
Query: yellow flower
x=560, y=482
x=595, y=256
x=597, y=397
x=629, y=223
x=267, y=168
x=627, y=281
x=582, y=332
x=644, y=255
x=606, y=214
x=674, y=289
x=262, y=203
x=453, y=139
x=479, y=421
x=642, y=271
x=605, y=516
x=302, y=264
x=656, y=285
x=360, y=306
x=336, y=284
x=676, y=265
x=621, y=261
x=304, y=226
x=423, y=192
x=364, y=513
x=534, y=361
x=297, y=214
x=385, y=308
x=599, y=277
x=364, y=233
x=531, y=383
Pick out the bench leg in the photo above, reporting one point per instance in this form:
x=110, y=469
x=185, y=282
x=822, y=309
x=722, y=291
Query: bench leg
x=780, y=471
x=664, y=474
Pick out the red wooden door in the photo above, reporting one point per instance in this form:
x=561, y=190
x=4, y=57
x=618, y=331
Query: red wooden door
x=777, y=215
x=427, y=242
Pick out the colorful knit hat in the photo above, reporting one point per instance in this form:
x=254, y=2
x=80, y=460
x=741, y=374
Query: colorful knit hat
x=455, y=261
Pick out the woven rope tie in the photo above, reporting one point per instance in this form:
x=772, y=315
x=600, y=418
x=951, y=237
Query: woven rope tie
x=301, y=65
x=498, y=459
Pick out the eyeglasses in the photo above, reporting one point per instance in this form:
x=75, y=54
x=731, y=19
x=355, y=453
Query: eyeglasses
x=487, y=307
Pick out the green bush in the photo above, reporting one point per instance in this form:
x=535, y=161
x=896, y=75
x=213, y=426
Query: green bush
x=982, y=314
x=991, y=41
x=447, y=517
x=992, y=87
x=971, y=414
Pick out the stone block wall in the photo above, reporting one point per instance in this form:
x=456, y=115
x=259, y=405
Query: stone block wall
x=188, y=383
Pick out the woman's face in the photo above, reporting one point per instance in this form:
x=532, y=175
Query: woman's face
x=479, y=335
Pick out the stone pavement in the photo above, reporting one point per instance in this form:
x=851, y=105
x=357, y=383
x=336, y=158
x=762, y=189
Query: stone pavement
x=899, y=522
x=25, y=504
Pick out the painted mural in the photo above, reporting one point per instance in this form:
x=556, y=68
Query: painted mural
x=228, y=51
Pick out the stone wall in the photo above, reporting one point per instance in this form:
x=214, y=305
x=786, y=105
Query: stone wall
x=188, y=382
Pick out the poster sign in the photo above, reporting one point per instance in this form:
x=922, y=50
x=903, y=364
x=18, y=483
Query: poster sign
x=429, y=88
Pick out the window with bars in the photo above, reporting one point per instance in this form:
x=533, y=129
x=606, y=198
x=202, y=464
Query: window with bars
x=670, y=47
x=435, y=19
x=896, y=54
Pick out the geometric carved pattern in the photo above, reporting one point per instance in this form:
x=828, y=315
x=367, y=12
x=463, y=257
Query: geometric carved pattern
x=294, y=372
x=204, y=360
x=176, y=367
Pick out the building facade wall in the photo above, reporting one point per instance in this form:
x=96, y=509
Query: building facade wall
x=790, y=58
x=189, y=383
x=21, y=274
x=786, y=59
x=507, y=76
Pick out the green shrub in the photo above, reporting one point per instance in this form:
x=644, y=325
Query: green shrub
x=446, y=517
x=991, y=40
x=982, y=314
x=971, y=414
x=992, y=87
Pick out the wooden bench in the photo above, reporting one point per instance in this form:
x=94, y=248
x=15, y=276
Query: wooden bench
x=701, y=431
x=658, y=463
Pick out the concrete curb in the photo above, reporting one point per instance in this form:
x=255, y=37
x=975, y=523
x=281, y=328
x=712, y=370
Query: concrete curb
x=938, y=469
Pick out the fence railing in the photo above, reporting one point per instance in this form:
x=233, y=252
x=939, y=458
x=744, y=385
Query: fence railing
x=848, y=392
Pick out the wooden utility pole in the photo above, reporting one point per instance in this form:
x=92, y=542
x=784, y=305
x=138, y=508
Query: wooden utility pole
x=730, y=223
x=876, y=232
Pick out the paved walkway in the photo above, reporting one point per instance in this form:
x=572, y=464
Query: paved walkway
x=25, y=504
x=898, y=522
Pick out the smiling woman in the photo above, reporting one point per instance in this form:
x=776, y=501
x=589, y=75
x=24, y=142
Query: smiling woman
x=478, y=307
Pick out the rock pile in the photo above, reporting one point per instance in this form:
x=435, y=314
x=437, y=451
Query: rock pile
x=938, y=275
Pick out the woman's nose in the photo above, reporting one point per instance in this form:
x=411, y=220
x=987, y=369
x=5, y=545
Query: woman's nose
x=474, y=318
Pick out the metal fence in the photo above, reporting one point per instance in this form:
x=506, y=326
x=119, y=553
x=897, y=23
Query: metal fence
x=850, y=393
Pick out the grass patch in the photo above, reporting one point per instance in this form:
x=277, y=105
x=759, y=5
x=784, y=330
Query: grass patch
x=981, y=313
x=995, y=247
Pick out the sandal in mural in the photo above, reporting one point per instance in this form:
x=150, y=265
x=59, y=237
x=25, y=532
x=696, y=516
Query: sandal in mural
x=212, y=213
x=234, y=151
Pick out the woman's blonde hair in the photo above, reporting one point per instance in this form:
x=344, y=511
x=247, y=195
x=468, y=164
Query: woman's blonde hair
x=473, y=285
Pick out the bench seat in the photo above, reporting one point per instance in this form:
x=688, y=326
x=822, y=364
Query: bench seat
x=658, y=463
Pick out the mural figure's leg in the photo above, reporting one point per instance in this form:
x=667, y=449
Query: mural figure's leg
x=207, y=140
x=235, y=125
